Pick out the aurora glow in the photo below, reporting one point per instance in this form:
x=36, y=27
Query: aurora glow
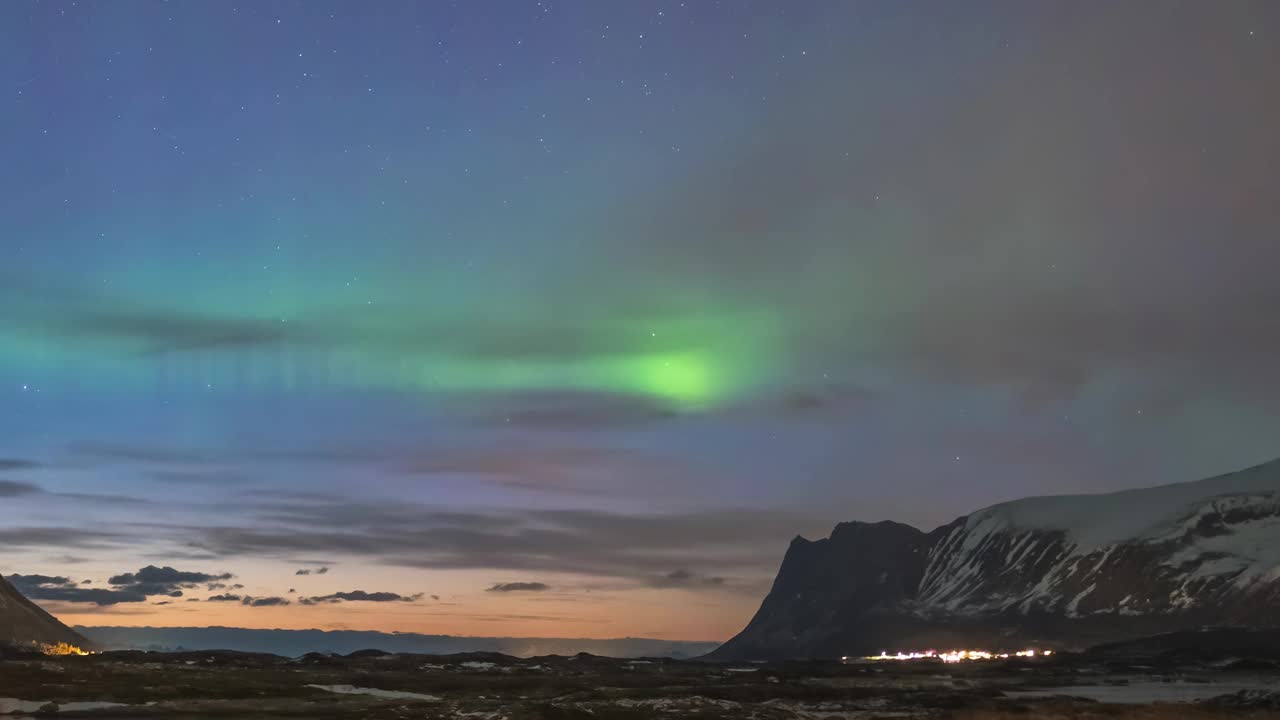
x=609, y=299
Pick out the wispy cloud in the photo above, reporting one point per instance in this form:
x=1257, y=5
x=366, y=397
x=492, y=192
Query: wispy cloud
x=686, y=579
x=265, y=601
x=61, y=537
x=17, y=464
x=12, y=488
x=361, y=596
x=511, y=587
x=639, y=547
x=58, y=588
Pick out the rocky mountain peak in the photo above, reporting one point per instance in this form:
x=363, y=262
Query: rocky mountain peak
x=1063, y=571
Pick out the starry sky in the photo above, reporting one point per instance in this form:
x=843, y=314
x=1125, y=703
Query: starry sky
x=561, y=318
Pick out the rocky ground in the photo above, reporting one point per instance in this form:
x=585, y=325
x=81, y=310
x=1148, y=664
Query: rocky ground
x=495, y=687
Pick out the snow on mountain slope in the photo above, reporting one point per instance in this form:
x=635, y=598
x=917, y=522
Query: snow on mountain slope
x=1242, y=541
x=1091, y=521
x=1180, y=543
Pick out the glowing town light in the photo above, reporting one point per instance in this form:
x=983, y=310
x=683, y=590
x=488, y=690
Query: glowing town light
x=63, y=648
x=954, y=656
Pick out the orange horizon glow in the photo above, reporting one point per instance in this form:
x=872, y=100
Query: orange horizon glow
x=495, y=619
x=451, y=602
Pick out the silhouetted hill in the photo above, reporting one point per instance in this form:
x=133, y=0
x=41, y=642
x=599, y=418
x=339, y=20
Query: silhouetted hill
x=24, y=624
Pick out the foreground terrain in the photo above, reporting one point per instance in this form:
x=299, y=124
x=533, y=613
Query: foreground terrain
x=372, y=684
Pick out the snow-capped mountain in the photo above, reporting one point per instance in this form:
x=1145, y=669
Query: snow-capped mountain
x=1066, y=571
x=23, y=624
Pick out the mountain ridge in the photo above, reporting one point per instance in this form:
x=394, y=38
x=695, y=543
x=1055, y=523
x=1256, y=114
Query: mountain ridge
x=1066, y=570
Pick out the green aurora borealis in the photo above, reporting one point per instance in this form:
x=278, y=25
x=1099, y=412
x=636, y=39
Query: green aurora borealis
x=599, y=295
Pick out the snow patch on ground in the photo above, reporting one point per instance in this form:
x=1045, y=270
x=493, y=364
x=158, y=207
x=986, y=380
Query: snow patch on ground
x=14, y=706
x=1143, y=693
x=375, y=692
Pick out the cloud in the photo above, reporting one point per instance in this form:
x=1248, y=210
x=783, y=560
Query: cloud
x=217, y=478
x=225, y=597
x=361, y=596
x=294, y=495
x=152, y=580
x=589, y=542
x=17, y=464
x=823, y=400
x=998, y=340
x=69, y=560
x=519, y=587
x=265, y=601
x=143, y=455
x=685, y=579
x=41, y=579
x=153, y=330
x=169, y=554
x=307, y=571
x=95, y=498
x=11, y=488
x=63, y=589
x=98, y=318
x=555, y=469
x=50, y=537
x=568, y=410
x=530, y=466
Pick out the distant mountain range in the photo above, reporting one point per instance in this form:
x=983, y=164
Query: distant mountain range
x=1064, y=572
x=293, y=643
x=24, y=624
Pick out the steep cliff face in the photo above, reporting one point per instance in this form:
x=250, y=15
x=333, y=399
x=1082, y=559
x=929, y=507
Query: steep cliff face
x=1066, y=571
x=829, y=584
x=24, y=624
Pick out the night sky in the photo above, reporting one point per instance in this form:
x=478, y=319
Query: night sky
x=562, y=318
